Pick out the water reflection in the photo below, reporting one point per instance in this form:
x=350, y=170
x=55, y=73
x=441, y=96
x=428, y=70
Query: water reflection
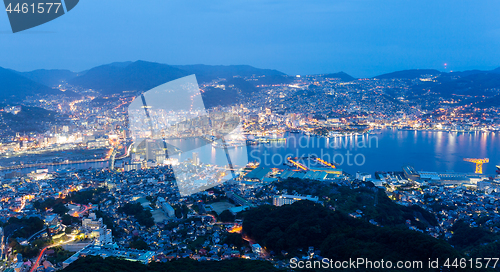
x=425, y=150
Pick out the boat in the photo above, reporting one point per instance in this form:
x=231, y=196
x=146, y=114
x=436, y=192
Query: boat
x=498, y=169
x=228, y=144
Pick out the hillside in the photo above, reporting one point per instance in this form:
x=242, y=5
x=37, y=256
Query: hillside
x=15, y=87
x=50, y=78
x=497, y=70
x=473, y=84
x=143, y=75
x=489, y=102
x=29, y=119
x=372, y=201
x=340, y=75
x=408, y=74
x=294, y=228
x=206, y=73
x=136, y=76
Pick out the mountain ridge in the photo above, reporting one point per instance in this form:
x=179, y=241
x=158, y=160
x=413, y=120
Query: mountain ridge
x=118, y=77
x=49, y=77
x=408, y=74
x=136, y=76
x=341, y=75
x=16, y=87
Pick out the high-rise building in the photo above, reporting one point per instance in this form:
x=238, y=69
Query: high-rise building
x=196, y=159
x=95, y=228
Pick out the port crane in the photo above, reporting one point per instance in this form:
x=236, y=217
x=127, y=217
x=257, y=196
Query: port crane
x=479, y=163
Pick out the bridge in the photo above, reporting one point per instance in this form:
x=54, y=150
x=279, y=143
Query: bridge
x=114, y=152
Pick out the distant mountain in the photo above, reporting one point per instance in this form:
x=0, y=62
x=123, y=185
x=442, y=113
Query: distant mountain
x=473, y=72
x=142, y=76
x=15, y=87
x=466, y=73
x=488, y=102
x=247, y=88
x=206, y=73
x=113, y=64
x=482, y=80
x=213, y=97
x=496, y=71
x=272, y=80
x=340, y=75
x=409, y=74
x=50, y=78
x=135, y=76
x=241, y=80
x=121, y=64
x=475, y=84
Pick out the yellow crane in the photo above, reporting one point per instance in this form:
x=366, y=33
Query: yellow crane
x=479, y=163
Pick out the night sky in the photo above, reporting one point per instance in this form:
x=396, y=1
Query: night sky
x=360, y=37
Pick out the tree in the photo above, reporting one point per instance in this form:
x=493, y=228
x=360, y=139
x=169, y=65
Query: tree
x=234, y=239
x=69, y=220
x=226, y=216
x=138, y=243
x=185, y=211
x=60, y=209
x=68, y=230
x=338, y=236
x=144, y=217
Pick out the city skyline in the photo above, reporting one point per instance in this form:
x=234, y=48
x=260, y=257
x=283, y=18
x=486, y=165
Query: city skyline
x=263, y=135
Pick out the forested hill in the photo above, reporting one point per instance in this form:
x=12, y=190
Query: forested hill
x=98, y=264
x=294, y=228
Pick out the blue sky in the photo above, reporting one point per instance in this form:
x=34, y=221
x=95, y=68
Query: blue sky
x=361, y=37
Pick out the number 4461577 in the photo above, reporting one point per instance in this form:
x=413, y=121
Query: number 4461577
x=40, y=8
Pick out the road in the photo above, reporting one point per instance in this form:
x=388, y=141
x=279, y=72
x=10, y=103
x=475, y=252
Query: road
x=37, y=263
x=37, y=233
x=85, y=209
